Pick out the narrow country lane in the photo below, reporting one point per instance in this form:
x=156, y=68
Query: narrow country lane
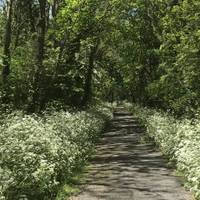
x=125, y=169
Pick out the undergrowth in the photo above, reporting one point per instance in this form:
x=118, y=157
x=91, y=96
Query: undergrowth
x=39, y=154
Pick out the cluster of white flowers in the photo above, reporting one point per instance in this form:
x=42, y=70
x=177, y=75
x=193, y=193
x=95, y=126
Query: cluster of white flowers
x=178, y=139
x=38, y=153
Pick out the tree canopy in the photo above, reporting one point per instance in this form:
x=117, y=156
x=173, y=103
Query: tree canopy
x=77, y=52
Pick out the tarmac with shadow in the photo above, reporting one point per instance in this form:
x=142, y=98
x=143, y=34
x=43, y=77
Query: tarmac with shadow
x=125, y=169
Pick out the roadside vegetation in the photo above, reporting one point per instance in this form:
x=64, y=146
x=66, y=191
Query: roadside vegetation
x=40, y=154
x=178, y=139
x=60, y=59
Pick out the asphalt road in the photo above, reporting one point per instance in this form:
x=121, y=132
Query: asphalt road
x=125, y=169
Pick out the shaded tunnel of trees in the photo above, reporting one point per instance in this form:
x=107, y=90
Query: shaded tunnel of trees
x=79, y=52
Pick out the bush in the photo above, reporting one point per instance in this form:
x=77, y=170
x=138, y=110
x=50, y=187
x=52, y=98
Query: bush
x=40, y=153
x=178, y=139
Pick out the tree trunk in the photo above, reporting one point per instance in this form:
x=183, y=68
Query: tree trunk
x=88, y=82
x=17, y=37
x=54, y=8
x=31, y=16
x=39, y=69
x=7, y=43
x=41, y=34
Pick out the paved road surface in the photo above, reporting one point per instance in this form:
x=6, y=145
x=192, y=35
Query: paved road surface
x=125, y=169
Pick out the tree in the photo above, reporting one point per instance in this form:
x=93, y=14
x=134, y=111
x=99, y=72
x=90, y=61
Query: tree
x=7, y=42
x=40, y=52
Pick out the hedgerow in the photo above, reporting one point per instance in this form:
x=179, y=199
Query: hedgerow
x=39, y=153
x=178, y=139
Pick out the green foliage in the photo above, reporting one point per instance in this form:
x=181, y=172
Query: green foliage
x=70, y=54
x=67, y=191
x=179, y=57
x=178, y=139
x=72, y=30
x=158, y=46
x=143, y=49
x=38, y=154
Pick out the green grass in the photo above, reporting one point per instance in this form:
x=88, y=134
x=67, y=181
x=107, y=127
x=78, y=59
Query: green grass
x=66, y=191
x=71, y=187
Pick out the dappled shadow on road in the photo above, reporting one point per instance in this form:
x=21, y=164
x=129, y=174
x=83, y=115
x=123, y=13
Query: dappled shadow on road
x=123, y=168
